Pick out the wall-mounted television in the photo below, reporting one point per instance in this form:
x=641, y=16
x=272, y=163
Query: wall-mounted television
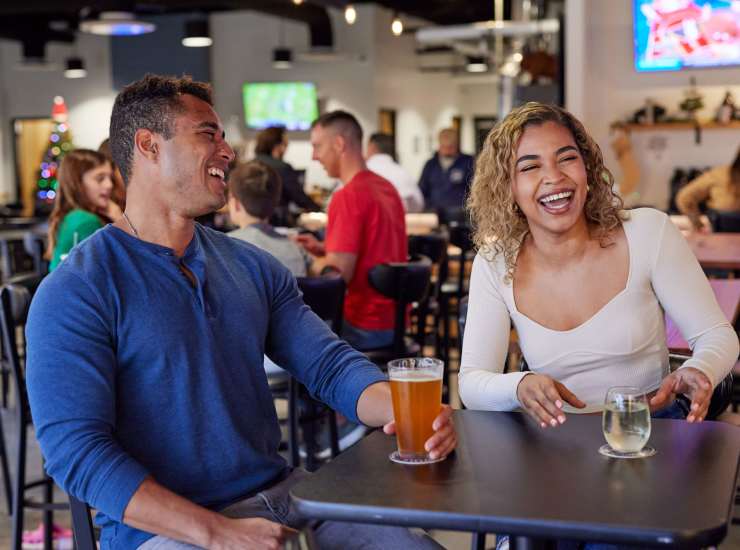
x=293, y=105
x=671, y=35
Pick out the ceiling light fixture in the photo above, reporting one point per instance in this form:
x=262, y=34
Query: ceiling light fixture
x=116, y=23
x=197, y=34
x=298, y=2
x=476, y=64
x=282, y=58
x=397, y=26
x=350, y=14
x=75, y=68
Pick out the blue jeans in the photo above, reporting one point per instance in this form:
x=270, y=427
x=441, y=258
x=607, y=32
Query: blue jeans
x=362, y=339
x=275, y=505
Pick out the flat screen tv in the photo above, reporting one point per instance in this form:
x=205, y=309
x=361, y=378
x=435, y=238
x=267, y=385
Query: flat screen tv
x=671, y=35
x=292, y=105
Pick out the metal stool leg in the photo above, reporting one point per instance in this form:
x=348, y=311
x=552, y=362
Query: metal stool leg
x=479, y=541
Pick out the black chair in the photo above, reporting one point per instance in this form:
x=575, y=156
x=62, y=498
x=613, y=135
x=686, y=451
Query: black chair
x=82, y=526
x=724, y=221
x=455, y=288
x=434, y=247
x=14, y=303
x=405, y=283
x=35, y=246
x=325, y=297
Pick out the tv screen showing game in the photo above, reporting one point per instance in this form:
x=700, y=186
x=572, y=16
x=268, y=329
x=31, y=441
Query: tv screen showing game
x=671, y=35
x=292, y=105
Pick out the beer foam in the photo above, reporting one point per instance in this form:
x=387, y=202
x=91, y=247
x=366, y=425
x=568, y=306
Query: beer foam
x=414, y=377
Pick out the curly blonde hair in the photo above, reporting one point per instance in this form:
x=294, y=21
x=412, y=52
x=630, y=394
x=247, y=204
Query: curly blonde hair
x=499, y=226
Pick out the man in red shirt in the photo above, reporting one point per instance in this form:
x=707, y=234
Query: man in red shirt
x=366, y=227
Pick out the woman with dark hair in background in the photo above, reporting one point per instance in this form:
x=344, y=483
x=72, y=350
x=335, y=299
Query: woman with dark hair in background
x=270, y=148
x=718, y=188
x=83, y=204
x=119, y=188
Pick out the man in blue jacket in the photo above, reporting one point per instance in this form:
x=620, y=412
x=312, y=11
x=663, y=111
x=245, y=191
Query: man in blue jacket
x=447, y=176
x=145, y=354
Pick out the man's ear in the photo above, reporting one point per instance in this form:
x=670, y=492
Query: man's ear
x=146, y=143
x=339, y=143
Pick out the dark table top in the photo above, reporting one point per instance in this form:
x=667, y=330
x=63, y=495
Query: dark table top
x=510, y=476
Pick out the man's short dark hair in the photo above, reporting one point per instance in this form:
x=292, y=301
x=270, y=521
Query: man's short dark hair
x=385, y=143
x=268, y=139
x=343, y=123
x=149, y=103
x=257, y=187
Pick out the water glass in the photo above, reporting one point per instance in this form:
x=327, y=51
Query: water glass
x=626, y=423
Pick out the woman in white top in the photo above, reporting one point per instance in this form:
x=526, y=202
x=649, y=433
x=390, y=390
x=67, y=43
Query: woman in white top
x=584, y=282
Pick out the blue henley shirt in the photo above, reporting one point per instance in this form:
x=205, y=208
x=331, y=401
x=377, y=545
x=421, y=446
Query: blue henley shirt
x=134, y=371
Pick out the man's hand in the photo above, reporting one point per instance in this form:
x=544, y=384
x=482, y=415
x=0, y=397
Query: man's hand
x=310, y=243
x=257, y=533
x=691, y=382
x=542, y=398
x=444, y=440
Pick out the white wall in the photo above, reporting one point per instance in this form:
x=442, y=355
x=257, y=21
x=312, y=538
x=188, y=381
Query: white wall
x=30, y=93
x=614, y=90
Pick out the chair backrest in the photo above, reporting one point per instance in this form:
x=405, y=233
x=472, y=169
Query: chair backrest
x=404, y=283
x=14, y=302
x=434, y=247
x=724, y=221
x=325, y=296
x=461, y=237
x=82, y=526
x=35, y=245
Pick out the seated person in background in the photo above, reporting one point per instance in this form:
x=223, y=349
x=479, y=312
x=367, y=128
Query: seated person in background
x=550, y=231
x=270, y=148
x=718, y=188
x=445, y=179
x=83, y=203
x=381, y=159
x=254, y=192
x=154, y=331
x=366, y=226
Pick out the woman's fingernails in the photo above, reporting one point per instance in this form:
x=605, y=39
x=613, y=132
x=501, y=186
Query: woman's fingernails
x=553, y=422
x=559, y=404
x=543, y=424
x=561, y=419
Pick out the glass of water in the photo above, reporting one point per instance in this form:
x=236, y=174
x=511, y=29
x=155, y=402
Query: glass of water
x=626, y=423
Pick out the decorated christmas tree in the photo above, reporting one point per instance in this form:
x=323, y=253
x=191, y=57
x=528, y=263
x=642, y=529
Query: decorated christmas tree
x=60, y=142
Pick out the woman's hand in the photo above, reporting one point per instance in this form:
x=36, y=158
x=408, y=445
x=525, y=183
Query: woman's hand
x=691, y=382
x=542, y=398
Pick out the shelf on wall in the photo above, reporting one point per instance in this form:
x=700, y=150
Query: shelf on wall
x=667, y=126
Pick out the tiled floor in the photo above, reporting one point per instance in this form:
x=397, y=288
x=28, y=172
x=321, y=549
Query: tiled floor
x=450, y=540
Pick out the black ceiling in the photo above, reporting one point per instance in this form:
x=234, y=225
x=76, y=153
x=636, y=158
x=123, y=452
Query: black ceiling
x=28, y=20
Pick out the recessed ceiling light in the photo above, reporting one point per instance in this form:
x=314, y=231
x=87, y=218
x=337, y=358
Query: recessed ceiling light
x=350, y=14
x=476, y=64
x=116, y=23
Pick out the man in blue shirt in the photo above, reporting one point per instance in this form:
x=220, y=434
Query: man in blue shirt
x=145, y=353
x=447, y=176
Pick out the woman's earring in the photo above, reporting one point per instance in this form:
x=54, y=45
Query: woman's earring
x=588, y=188
x=515, y=208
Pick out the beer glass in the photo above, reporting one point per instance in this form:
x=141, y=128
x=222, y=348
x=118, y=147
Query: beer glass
x=416, y=388
x=626, y=423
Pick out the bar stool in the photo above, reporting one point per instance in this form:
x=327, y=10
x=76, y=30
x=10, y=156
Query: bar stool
x=434, y=247
x=460, y=236
x=14, y=302
x=405, y=283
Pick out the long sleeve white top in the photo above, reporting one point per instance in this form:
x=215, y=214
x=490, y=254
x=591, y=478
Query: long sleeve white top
x=624, y=343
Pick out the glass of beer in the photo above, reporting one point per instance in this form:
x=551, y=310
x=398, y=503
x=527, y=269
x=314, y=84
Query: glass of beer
x=626, y=423
x=416, y=388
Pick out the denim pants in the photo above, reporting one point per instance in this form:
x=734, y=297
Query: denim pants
x=362, y=339
x=275, y=505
